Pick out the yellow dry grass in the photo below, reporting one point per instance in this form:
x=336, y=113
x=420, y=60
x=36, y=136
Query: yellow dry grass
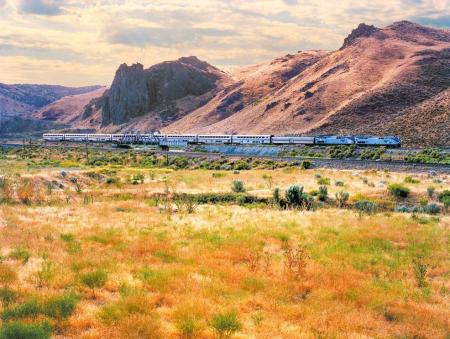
x=166, y=271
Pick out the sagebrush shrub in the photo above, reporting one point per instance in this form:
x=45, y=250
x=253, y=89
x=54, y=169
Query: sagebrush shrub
x=19, y=330
x=226, y=324
x=238, y=186
x=398, y=190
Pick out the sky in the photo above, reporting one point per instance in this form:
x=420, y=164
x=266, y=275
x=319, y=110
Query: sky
x=77, y=43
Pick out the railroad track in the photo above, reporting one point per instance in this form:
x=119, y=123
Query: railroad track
x=348, y=164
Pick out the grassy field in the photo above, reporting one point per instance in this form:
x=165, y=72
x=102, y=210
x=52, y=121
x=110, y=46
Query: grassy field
x=139, y=249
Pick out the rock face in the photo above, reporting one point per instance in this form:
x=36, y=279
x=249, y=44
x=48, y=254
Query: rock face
x=136, y=91
x=362, y=30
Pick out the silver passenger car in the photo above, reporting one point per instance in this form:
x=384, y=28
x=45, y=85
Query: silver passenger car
x=53, y=137
x=251, y=139
x=292, y=140
x=214, y=139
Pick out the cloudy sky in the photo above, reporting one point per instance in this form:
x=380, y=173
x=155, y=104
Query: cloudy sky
x=82, y=42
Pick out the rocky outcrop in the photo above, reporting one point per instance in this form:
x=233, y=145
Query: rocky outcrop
x=136, y=91
x=362, y=30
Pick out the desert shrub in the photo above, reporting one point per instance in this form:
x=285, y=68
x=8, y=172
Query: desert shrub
x=443, y=196
x=241, y=165
x=432, y=209
x=187, y=327
x=8, y=296
x=155, y=278
x=342, y=151
x=323, y=193
x=430, y=191
x=218, y=175
x=429, y=155
x=295, y=259
x=240, y=200
x=372, y=154
x=306, y=164
x=294, y=195
x=342, y=198
x=29, y=309
x=20, y=254
x=94, y=279
x=423, y=202
x=112, y=181
x=277, y=196
x=410, y=180
x=19, y=330
x=420, y=272
x=323, y=181
x=398, y=190
x=339, y=183
x=238, y=186
x=365, y=207
x=226, y=324
x=60, y=307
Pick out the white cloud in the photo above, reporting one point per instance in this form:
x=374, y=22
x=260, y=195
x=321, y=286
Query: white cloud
x=100, y=34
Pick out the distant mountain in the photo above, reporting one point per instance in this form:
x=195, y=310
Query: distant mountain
x=19, y=102
x=25, y=98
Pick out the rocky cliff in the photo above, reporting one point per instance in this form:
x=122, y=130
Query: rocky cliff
x=164, y=91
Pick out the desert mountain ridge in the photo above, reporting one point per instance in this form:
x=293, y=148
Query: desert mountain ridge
x=391, y=80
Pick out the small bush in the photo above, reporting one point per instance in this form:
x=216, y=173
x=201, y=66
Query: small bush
x=306, y=164
x=8, y=296
x=238, y=186
x=323, y=181
x=20, y=254
x=226, y=324
x=342, y=198
x=410, y=180
x=398, y=190
x=60, y=307
x=420, y=272
x=366, y=207
x=19, y=330
x=445, y=195
x=276, y=196
x=432, y=209
x=323, y=193
x=430, y=191
x=339, y=183
x=29, y=309
x=296, y=198
x=93, y=280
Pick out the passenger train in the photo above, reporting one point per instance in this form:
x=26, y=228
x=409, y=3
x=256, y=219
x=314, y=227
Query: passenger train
x=389, y=141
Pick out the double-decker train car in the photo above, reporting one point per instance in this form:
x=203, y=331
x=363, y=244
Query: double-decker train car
x=214, y=139
x=251, y=139
x=189, y=138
